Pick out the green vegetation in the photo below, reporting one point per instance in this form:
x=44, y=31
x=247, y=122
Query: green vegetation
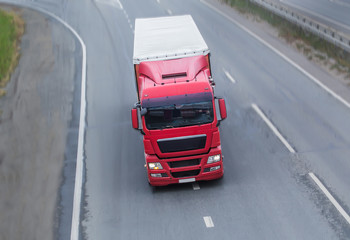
x=11, y=29
x=301, y=38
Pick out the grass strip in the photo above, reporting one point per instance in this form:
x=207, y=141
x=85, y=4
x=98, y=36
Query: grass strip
x=11, y=29
x=295, y=34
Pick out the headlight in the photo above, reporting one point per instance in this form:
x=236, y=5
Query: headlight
x=213, y=159
x=155, y=166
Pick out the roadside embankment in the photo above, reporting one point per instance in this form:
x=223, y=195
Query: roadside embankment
x=11, y=29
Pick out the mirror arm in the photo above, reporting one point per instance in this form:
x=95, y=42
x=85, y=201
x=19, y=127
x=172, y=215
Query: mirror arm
x=137, y=105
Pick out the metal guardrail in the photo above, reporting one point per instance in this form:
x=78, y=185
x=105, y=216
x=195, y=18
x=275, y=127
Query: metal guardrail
x=331, y=35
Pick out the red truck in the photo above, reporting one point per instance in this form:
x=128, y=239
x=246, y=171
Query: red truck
x=176, y=112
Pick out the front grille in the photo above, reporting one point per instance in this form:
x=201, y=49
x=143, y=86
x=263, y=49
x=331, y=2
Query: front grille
x=191, y=173
x=184, y=163
x=179, y=144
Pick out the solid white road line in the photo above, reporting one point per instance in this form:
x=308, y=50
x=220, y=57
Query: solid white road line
x=169, y=12
x=229, y=77
x=330, y=197
x=195, y=186
x=158, y=1
x=307, y=74
x=208, y=222
x=273, y=128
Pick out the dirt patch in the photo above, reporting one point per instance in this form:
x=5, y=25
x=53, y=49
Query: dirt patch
x=33, y=128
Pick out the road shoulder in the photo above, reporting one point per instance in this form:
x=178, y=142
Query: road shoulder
x=35, y=129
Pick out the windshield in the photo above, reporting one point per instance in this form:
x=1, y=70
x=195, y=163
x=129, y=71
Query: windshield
x=181, y=115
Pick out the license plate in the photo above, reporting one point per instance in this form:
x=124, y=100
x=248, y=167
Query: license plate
x=187, y=180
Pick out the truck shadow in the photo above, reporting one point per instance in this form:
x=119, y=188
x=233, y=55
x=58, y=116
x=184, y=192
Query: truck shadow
x=218, y=183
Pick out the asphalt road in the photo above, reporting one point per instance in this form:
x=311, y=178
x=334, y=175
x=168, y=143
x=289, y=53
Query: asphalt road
x=334, y=13
x=266, y=192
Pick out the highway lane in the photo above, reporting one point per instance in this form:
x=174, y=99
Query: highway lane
x=266, y=192
x=334, y=13
x=264, y=186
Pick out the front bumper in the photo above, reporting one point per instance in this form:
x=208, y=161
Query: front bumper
x=185, y=169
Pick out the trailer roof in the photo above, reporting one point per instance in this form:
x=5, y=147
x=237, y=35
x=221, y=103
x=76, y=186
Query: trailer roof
x=166, y=38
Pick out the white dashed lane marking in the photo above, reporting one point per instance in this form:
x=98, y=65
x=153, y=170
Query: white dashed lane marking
x=229, y=77
x=208, y=222
x=195, y=186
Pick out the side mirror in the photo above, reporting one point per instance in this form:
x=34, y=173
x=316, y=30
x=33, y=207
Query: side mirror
x=135, y=118
x=222, y=107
